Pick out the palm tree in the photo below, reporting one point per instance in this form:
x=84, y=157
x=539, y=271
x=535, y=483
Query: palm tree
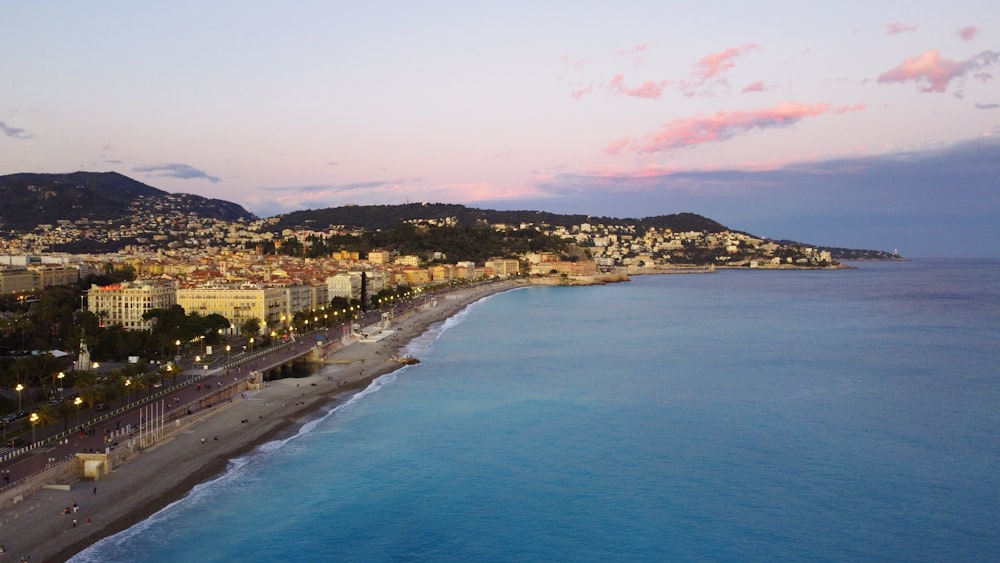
x=64, y=409
x=44, y=418
x=84, y=381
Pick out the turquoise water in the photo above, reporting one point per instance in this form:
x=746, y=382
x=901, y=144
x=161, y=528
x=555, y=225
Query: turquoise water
x=832, y=415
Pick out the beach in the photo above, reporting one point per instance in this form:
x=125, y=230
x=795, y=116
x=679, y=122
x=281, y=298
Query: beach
x=41, y=528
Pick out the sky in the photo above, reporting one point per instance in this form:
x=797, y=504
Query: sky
x=869, y=125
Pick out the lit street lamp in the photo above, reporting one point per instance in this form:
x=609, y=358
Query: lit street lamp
x=60, y=378
x=78, y=401
x=178, y=344
x=227, y=353
x=251, y=345
x=19, y=388
x=34, y=420
x=128, y=395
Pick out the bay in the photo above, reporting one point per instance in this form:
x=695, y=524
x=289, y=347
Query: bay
x=741, y=415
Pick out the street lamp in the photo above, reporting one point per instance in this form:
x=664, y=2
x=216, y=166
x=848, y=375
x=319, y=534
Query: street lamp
x=78, y=401
x=60, y=378
x=178, y=344
x=251, y=345
x=34, y=420
x=128, y=396
x=227, y=353
x=19, y=388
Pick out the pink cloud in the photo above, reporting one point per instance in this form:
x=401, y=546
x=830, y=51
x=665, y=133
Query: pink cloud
x=895, y=28
x=754, y=87
x=714, y=64
x=968, y=33
x=641, y=47
x=634, y=52
x=933, y=73
x=617, y=146
x=711, y=69
x=581, y=92
x=574, y=63
x=723, y=126
x=649, y=89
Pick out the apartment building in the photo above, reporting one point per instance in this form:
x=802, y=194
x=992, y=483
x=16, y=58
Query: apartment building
x=239, y=304
x=125, y=303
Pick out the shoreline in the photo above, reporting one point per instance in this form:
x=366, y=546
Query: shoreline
x=168, y=471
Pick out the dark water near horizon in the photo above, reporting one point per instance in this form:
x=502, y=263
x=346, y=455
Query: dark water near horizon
x=741, y=415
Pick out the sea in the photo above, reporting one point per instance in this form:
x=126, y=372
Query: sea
x=741, y=415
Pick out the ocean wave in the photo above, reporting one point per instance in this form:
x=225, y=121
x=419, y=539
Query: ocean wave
x=421, y=344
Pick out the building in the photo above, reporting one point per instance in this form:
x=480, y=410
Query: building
x=379, y=256
x=50, y=276
x=17, y=281
x=268, y=305
x=125, y=303
x=346, y=285
x=502, y=267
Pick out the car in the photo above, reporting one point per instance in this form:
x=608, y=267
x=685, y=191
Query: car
x=18, y=443
x=100, y=407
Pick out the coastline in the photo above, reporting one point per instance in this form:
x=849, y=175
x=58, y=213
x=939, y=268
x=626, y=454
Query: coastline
x=164, y=473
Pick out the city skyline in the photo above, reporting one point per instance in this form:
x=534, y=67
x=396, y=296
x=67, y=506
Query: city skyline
x=850, y=125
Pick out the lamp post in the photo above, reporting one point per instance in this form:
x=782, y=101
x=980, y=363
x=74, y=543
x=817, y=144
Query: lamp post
x=227, y=353
x=251, y=345
x=204, y=348
x=60, y=378
x=128, y=395
x=178, y=344
x=34, y=420
x=78, y=401
x=19, y=388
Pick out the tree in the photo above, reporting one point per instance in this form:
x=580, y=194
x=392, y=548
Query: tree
x=63, y=410
x=45, y=417
x=250, y=328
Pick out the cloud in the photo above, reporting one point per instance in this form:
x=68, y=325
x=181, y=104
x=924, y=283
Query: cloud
x=582, y=91
x=13, y=132
x=938, y=202
x=932, y=73
x=968, y=33
x=273, y=200
x=617, y=146
x=635, y=52
x=987, y=106
x=754, y=87
x=573, y=63
x=711, y=69
x=895, y=28
x=177, y=170
x=723, y=126
x=648, y=89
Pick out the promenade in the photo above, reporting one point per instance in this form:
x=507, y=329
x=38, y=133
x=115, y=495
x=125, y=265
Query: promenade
x=227, y=418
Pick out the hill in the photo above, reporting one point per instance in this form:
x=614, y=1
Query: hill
x=37, y=199
x=375, y=217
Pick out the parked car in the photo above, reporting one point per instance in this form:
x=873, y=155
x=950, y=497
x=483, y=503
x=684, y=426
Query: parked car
x=18, y=443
